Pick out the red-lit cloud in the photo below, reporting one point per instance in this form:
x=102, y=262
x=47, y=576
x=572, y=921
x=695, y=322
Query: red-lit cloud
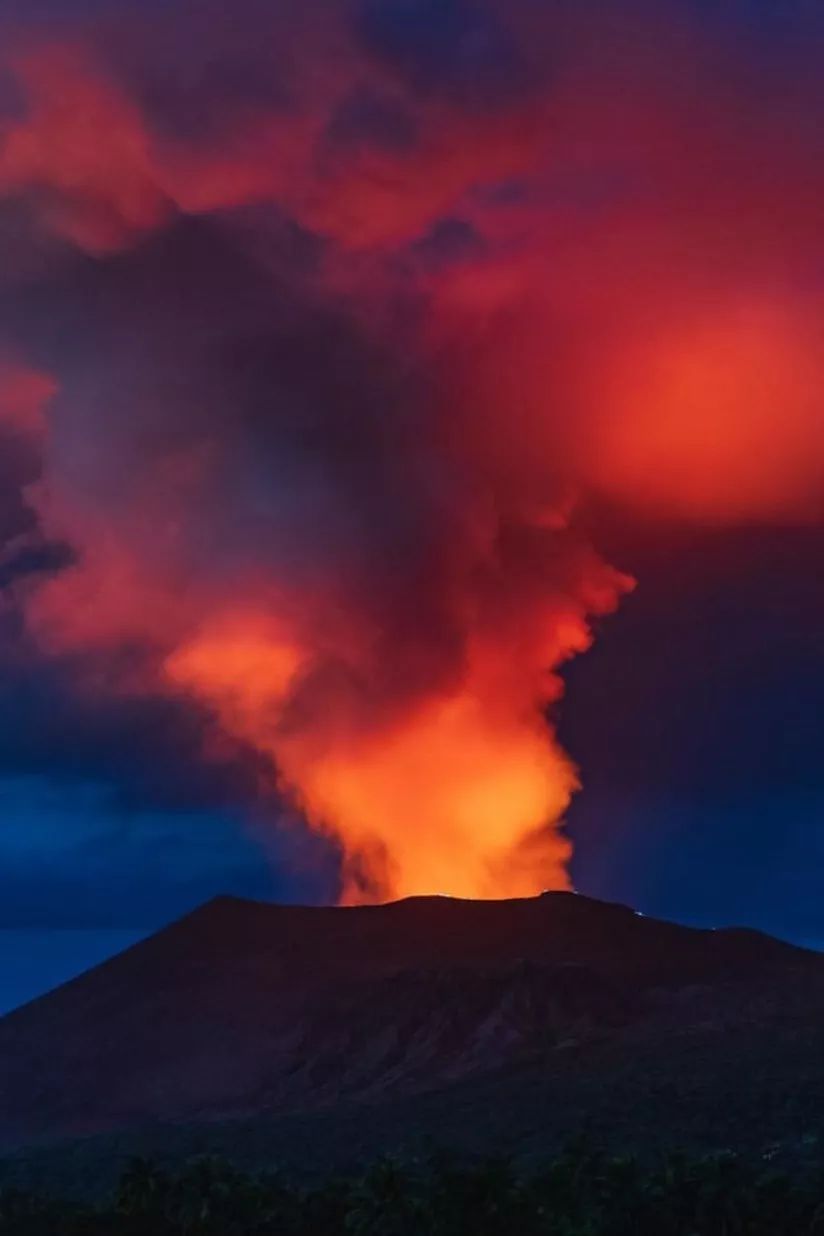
x=358, y=345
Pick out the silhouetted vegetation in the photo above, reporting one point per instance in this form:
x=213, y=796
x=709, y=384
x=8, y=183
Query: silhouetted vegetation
x=580, y=1193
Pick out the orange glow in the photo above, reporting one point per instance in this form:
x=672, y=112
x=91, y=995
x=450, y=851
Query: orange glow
x=441, y=799
x=719, y=418
x=244, y=673
x=447, y=797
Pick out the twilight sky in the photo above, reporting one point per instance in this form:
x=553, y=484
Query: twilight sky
x=362, y=363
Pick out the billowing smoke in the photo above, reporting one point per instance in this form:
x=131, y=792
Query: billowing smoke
x=327, y=330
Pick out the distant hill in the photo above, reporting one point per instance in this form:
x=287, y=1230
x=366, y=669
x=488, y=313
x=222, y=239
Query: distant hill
x=318, y=1034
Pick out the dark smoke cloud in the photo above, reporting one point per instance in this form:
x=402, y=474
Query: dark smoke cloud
x=344, y=315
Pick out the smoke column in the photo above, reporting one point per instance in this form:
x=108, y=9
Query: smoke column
x=330, y=331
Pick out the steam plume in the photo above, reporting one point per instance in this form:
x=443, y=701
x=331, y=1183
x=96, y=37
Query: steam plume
x=343, y=325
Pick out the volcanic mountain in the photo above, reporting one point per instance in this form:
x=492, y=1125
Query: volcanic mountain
x=332, y=1032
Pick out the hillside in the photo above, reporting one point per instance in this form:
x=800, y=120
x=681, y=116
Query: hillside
x=488, y=1024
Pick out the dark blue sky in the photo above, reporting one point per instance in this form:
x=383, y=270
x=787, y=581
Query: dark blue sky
x=697, y=721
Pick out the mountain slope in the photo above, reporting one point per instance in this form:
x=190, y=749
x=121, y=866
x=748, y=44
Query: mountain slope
x=244, y=1009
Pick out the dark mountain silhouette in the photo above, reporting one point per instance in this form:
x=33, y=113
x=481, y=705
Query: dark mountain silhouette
x=321, y=1031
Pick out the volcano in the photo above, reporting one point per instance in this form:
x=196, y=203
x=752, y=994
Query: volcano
x=330, y=1032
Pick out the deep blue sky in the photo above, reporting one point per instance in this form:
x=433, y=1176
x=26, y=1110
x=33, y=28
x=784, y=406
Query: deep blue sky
x=697, y=721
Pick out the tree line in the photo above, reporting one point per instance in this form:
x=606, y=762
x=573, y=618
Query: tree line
x=581, y=1192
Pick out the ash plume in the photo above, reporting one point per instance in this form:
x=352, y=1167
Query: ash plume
x=326, y=329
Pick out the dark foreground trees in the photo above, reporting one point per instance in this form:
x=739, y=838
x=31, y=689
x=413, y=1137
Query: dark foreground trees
x=580, y=1193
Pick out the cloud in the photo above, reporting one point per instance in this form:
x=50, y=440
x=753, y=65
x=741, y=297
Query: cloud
x=343, y=325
